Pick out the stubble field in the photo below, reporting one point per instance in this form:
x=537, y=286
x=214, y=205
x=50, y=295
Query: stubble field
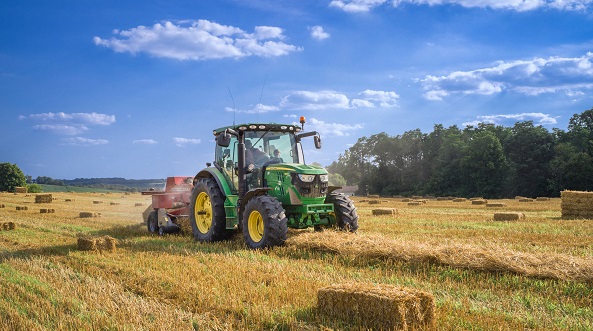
x=532, y=274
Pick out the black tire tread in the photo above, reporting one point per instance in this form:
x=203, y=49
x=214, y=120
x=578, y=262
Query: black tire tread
x=218, y=229
x=275, y=222
x=346, y=216
x=152, y=218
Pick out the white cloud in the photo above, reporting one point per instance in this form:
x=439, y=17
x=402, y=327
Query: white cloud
x=310, y=100
x=358, y=6
x=537, y=118
x=529, y=77
x=83, y=118
x=332, y=129
x=80, y=141
x=257, y=109
x=145, y=142
x=318, y=33
x=182, y=142
x=198, y=40
x=332, y=100
x=69, y=130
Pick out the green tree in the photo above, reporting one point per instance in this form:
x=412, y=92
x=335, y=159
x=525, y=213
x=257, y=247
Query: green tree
x=336, y=180
x=11, y=176
x=486, y=164
x=34, y=188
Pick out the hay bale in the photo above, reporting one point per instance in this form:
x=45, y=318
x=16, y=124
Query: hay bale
x=526, y=200
x=459, y=200
x=114, y=203
x=11, y=225
x=363, y=200
x=422, y=201
x=496, y=204
x=86, y=244
x=542, y=199
x=22, y=208
x=518, y=197
x=106, y=243
x=43, y=210
x=476, y=198
x=138, y=204
x=384, y=211
x=374, y=202
x=2, y=206
x=97, y=202
x=84, y=214
x=20, y=189
x=7, y=226
x=479, y=202
x=414, y=203
x=508, y=216
x=577, y=204
x=406, y=200
x=378, y=307
x=43, y=198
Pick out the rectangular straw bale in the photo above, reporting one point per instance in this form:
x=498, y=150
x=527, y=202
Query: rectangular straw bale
x=508, y=216
x=86, y=244
x=526, y=200
x=43, y=198
x=417, y=197
x=114, y=203
x=97, y=202
x=384, y=211
x=476, y=198
x=459, y=200
x=374, y=202
x=414, y=203
x=22, y=208
x=496, y=204
x=69, y=200
x=479, y=202
x=2, y=206
x=84, y=214
x=406, y=200
x=106, y=243
x=577, y=204
x=364, y=200
x=138, y=204
x=20, y=189
x=7, y=226
x=542, y=199
x=378, y=307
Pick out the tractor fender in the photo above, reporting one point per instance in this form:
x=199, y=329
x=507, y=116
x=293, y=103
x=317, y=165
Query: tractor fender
x=330, y=189
x=217, y=175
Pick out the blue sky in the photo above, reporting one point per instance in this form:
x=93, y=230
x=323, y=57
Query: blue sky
x=134, y=89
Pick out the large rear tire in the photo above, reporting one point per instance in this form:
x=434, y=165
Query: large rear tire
x=152, y=222
x=207, y=216
x=346, y=216
x=264, y=222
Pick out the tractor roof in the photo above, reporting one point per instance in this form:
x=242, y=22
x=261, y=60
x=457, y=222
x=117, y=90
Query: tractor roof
x=260, y=127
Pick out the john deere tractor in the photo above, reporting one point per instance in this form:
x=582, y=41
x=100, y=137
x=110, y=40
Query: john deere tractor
x=260, y=185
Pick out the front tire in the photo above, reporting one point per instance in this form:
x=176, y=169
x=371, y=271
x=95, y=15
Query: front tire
x=264, y=222
x=346, y=216
x=207, y=216
x=152, y=222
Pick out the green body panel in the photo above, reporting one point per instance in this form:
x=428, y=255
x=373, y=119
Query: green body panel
x=301, y=211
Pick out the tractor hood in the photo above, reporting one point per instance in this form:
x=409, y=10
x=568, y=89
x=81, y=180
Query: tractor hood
x=298, y=168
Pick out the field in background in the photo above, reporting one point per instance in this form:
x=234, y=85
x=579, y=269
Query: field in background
x=531, y=274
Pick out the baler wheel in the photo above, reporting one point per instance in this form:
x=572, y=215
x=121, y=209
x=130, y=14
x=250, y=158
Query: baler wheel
x=152, y=222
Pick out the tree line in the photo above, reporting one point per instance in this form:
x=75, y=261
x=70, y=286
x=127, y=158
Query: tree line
x=486, y=160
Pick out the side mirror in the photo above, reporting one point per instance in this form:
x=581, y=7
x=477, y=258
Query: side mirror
x=317, y=141
x=223, y=139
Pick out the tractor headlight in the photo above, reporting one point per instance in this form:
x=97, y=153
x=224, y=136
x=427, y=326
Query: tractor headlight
x=306, y=178
x=324, y=178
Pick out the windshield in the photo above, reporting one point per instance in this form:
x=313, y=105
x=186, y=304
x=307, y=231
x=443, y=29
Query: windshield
x=271, y=146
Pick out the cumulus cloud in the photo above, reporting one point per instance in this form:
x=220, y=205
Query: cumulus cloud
x=332, y=100
x=145, y=142
x=359, y=6
x=182, y=142
x=318, y=33
x=257, y=109
x=81, y=141
x=83, y=118
x=62, y=129
x=198, y=40
x=529, y=77
x=537, y=118
x=333, y=129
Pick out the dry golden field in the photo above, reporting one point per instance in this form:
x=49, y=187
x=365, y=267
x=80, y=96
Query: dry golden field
x=535, y=273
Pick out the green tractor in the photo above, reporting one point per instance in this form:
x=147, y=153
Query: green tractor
x=260, y=185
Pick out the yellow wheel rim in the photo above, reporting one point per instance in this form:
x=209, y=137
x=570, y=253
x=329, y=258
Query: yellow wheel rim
x=203, y=212
x=255, y=225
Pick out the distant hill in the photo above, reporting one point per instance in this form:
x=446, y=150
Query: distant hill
x=116, y=183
